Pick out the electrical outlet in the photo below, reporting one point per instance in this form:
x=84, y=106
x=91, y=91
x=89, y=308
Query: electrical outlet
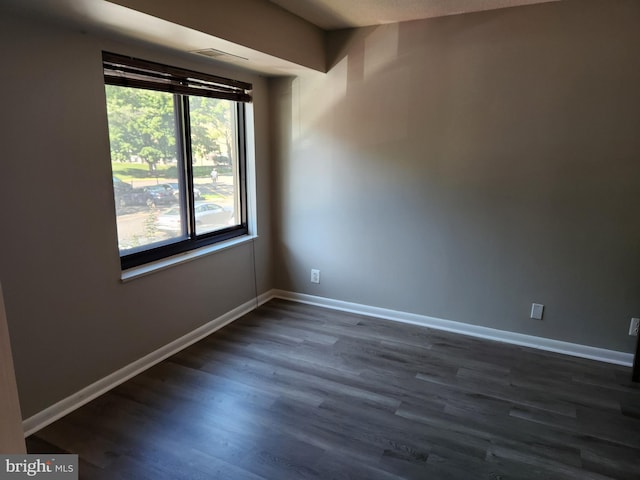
x=633, y=327
x=315, y=276
x=536, y=311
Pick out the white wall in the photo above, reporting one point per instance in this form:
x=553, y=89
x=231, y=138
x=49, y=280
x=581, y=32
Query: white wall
x=467, y=166
x=72, y=321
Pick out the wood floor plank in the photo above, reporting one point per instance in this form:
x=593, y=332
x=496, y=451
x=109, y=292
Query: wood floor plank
x=292, y=391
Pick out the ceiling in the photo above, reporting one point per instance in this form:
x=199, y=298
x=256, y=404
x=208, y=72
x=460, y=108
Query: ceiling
x=114, y=18
x=339, y=14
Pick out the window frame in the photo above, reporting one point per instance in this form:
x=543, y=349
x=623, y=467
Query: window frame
x=130, y=72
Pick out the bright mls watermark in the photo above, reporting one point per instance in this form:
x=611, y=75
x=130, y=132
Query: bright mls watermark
x=51, y=467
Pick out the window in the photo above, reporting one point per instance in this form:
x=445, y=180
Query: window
x=177, y=142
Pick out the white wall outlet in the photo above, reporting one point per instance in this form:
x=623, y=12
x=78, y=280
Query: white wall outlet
x=633, y=327
x=315, y=276
x=536, y=311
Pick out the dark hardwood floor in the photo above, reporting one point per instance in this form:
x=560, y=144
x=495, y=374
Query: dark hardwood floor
x=291, y=391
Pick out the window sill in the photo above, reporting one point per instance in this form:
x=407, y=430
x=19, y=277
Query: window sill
x=149, y=268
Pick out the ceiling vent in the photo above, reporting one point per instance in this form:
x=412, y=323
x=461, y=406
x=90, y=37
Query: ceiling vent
x=213, y=53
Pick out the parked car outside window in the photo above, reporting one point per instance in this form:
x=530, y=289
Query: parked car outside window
x=197, y=194
x=160, y=194
x=209, y=216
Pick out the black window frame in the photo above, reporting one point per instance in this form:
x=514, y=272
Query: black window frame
x=133, y=72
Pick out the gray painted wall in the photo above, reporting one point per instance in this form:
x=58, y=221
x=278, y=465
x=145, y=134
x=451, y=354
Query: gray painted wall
x=465, y=167
x=462, y=167
x=11, y=434
x=257, y=24
x=71, y=319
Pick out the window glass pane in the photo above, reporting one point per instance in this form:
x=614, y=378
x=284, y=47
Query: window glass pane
x=144, y=161
x=215, y=163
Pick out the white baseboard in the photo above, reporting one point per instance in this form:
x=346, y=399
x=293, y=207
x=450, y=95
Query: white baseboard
x=567, y=348
x=72, y=402
x=266, y=296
